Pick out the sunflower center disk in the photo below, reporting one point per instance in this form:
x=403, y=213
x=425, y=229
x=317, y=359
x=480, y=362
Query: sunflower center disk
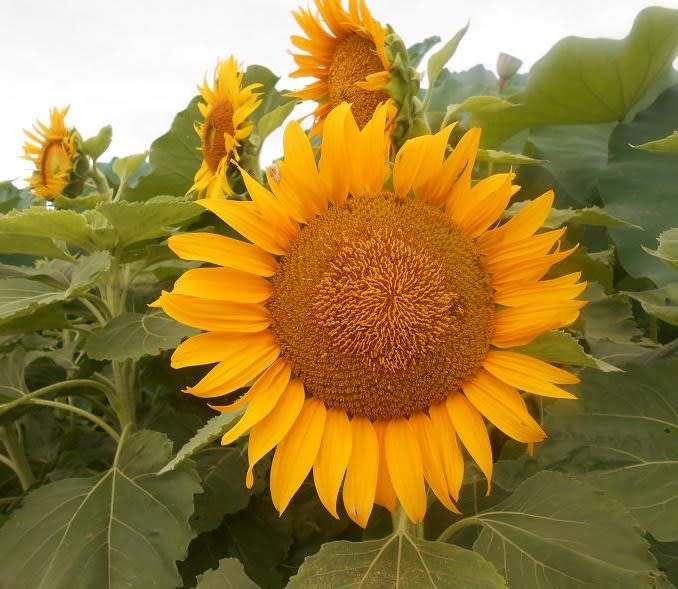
x=354, y=59
x=383, y=307
x=218, y=123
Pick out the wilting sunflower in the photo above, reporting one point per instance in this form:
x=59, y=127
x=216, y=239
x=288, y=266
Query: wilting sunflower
x=375, y=322
x=347, y=57
x=53, y=151
x=226, y=109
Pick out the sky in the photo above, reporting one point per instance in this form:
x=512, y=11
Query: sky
x=134, y=64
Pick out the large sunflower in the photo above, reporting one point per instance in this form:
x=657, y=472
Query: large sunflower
x=53, y=151
x=226, y=108
x=347, y=57
x=374, y=318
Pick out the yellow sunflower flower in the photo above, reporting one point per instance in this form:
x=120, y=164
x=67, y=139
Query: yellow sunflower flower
x=225, y=110
x=375, y=322
x=348, y=58
x=53, y=151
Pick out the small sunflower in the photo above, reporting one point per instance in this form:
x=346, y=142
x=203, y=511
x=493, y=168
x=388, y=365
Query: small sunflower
x=53, y=150
x=347, y=57
x=226, y=109
x=375, y=316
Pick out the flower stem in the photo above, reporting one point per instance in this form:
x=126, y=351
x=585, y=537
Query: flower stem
x=402, y=523
x=17, y=457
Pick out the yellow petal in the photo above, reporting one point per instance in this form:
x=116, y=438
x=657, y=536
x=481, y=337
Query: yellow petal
x=223, y=284
x=244, y=217
x=332, y=460
x=454, y=178
x=234, y=373
x=385, y=494
x=360, y=483
x=213, y=346
x=529, y=374
x=296, y=453
x=262, y=397
x=224, y=251
x=333, y=154
x=434, y=472
x=446, y=441
x=268, y=433
x=403, y=456
x=472, y=431
x=503, y=406
x=213, y=315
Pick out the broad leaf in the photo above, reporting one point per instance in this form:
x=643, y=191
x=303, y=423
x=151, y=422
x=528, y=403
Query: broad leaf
x=591, y=80
x=399, y=561
x=555, y=531
x=504, y=157
x=660, y=302
x=668, y=247
x=133, y=335
x=667, y=144
x=588, y=216
x=417, y=51
x=229, y=575
x=640, y=186
x=125, y=528
x=439, y=59
x=212, y=430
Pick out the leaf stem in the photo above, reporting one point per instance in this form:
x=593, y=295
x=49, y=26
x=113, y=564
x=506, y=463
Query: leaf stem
x=81, y=412
x=100, y=180
x=93, y=309
x=17, y=457
x=449, y=532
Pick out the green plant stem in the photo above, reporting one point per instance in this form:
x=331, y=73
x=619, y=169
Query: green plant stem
x=81, y=412
x=653, y=329
x=52, y=388
x=402, y=523
x=17, y=456
x=93, y=309
x=452, y=530
x=100, y=180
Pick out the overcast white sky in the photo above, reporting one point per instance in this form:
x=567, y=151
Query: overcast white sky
x=134, y=64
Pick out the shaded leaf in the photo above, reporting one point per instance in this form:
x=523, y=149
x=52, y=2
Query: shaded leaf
x=417, y=51
x=125, y=528
x=396, y=561
x=229, y=575
x=504, y=157
x=556, y=531
x=660, y=302
x=667, y=144
x=668, y=247
x=587, y=216
x=578, y=80
x=133, y=335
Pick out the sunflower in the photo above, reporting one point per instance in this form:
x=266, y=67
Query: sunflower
x=375, y=316
x=225, y=110
x=347, y=57
x=53, y=151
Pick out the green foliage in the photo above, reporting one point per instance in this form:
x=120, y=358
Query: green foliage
x=229, y=575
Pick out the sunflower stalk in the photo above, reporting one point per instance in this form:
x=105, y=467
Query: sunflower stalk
x=100, y=180
x=403, y=525
x=17, y=457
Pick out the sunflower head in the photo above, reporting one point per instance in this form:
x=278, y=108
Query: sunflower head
x=225, y=110
x=348, y=53
x=375, y=309
x=54, y=150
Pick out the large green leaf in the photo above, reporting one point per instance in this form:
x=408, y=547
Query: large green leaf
x=660, y=302
x=591, y=80
x=667, y=251
x=555, y=531
x=398, y=561
x=174, y=157
x=22, y=296
x=133, y=335
x=125, y=528
x=229, y=575
x=667, y=144
x=621, y=436
x=640, y=186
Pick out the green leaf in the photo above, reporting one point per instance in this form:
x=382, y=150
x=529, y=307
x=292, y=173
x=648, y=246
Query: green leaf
x=211, y=431
x=417, y=51
x=133, y=335
x=88, y=201
x=477, y=104
x=273, y=119
x=229, y=575
x=124, y=528
x=667, y=144
x=95, y=146
x=174, y=158
x=668, y=247
x=46, y=317
x=10, y=196
x=666, y=554
x=439, y=59
x=504, y=157
x=125, y=167
x=556, y=531
x=587, y=216
x=135, y=222
x=399, y=561
x=660, y=302
x=20, y=296
x=640, y=186
x=47, y=226
x=591, y=80
x=561, y=347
